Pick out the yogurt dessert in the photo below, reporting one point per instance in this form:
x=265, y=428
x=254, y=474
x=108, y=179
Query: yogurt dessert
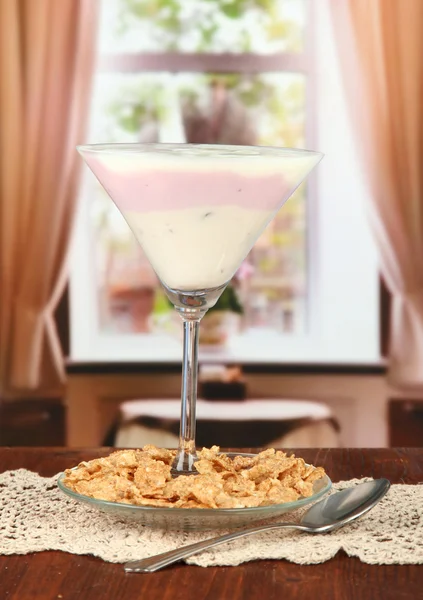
x=198, y=210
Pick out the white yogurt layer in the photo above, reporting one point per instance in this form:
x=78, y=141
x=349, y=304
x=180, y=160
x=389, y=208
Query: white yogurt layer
x=199, y=247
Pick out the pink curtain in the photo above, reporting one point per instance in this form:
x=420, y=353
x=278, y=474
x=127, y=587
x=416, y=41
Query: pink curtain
x=381, y=50
x=47, y=50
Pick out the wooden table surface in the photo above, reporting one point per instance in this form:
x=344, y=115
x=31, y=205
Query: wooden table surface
x=57, y=575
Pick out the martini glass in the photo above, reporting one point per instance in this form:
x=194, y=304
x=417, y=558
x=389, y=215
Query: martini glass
x=196, y=210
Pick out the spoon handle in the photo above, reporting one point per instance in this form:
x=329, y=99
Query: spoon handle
x=154, y=563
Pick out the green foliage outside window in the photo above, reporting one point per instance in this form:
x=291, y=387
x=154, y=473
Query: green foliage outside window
x=173, y=20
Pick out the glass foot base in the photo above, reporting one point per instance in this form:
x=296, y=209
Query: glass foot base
x=174, y=473
x=184, y=463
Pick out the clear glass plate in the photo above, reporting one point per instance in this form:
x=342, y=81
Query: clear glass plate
x=197, y=519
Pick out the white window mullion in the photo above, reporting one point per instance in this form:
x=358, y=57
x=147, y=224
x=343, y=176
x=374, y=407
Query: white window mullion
x=202, y=63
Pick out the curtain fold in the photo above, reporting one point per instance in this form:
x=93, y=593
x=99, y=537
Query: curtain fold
x=381, y=51
x=47, y=54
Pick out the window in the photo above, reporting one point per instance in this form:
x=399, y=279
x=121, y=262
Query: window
x=240, y=72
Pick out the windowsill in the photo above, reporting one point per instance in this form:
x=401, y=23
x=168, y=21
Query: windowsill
x=258, y=351
x=168, y=368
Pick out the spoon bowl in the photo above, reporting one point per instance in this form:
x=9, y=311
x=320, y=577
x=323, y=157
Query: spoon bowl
x=345, y=506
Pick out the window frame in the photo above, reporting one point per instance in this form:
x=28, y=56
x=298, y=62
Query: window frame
x=303, y=63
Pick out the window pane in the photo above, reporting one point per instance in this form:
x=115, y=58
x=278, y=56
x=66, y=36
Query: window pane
x=259, y=26
x=265, y=109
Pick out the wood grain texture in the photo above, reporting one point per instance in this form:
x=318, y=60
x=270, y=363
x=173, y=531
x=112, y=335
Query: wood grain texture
x=56, y=575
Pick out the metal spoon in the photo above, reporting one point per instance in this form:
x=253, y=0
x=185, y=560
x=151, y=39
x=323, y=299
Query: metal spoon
x=328, y=514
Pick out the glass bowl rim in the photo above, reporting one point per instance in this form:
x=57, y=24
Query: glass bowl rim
x=197, y=150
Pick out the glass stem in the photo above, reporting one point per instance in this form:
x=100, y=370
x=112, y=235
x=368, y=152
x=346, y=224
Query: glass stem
x=186, y=455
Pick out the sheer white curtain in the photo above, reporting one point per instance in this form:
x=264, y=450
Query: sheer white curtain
x=47, y=50
x=381, y=49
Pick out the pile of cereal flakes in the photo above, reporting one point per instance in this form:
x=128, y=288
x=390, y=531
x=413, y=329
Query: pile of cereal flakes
x=143, y=477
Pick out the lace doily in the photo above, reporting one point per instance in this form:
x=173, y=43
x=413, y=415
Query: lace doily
x=36, y=516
